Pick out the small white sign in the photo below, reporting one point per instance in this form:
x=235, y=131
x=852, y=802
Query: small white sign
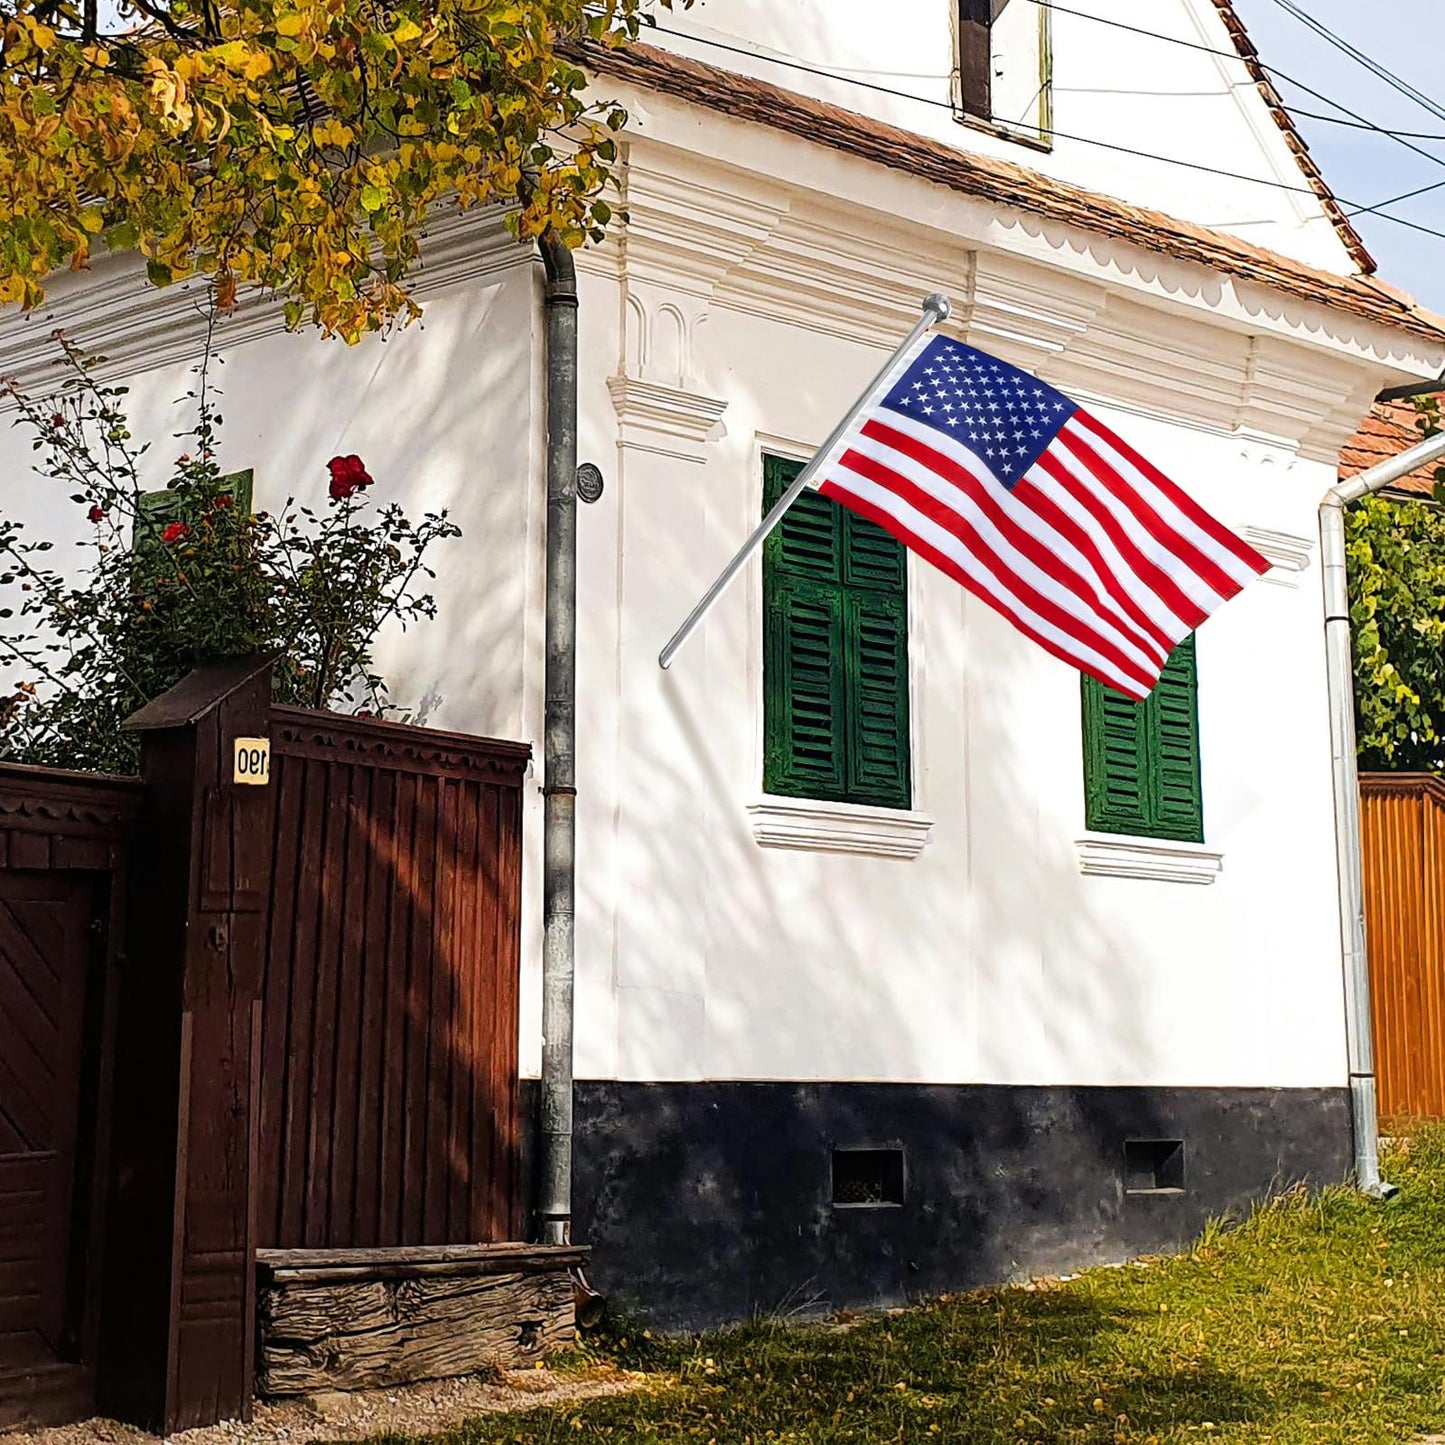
x=253, y=761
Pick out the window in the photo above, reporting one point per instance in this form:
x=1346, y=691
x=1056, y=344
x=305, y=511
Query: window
x=1141, y=759
x=835, y=653
x=158, y=509
x=1005, y=65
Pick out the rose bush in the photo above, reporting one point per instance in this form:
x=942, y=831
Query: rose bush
x=173, y=580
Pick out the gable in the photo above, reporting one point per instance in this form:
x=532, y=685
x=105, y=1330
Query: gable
x=1239, y=36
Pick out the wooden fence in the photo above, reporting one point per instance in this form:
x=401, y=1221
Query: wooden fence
x=389, y=1057
x=302, y=1037
x=62, y=867
x=1403, y=838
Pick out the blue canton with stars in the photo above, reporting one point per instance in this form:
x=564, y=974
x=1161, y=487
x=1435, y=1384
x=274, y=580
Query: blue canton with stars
x=1004, y=416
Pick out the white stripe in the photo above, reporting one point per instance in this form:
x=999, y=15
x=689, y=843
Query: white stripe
x=1167, y=508
x=975, y=566
x=1160, y=613
x=1189, y=582
x=1020, y=513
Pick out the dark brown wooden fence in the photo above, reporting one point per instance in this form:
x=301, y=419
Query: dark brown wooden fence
x=1402, y=823
x=304, y=1037
x=62, y=863
x=389, y=1096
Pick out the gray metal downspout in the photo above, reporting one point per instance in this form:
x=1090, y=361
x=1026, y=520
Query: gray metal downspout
x=1341, y=680
x=554, y=1196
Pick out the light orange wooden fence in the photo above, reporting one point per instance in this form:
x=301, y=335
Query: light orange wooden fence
x=1402, y=818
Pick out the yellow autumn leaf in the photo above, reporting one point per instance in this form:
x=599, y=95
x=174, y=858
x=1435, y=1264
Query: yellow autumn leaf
x=290, y=24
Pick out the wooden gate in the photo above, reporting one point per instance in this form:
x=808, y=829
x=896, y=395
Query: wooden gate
x=61, y=859
x=389, y=1094
x=1402, y=826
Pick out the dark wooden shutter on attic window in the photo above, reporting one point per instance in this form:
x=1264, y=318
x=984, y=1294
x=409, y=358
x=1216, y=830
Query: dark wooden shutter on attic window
x=1141, y=760
x=835, y=657
x=975, y=55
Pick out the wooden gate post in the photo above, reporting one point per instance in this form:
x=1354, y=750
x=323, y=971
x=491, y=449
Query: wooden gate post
x=178, y=1316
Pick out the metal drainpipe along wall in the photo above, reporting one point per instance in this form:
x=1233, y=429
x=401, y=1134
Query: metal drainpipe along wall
x=1340, y=671
x=554, y=1202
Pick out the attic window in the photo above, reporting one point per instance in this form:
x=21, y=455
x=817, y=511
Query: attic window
x=1005, y=66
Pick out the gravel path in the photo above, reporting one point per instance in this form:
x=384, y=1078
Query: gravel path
x=410, y=1409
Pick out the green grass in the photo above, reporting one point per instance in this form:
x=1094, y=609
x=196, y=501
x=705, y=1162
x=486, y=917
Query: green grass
x=1318, y=1319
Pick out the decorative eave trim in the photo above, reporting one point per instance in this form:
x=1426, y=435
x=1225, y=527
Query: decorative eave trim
x=113, y=311
x=814, y=826
x=1005, y=183
x=1289, y=553
x=663, y=419
x=1101, y=855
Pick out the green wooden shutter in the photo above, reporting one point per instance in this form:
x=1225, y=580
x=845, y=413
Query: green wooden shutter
x=1174, y=748
x=875, y=639
x=835, y=663
x=156, y=510
x=1141, y=760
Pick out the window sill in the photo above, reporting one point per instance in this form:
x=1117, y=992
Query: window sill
x=1040, y=141
x=816, y=826
x=1104, y=855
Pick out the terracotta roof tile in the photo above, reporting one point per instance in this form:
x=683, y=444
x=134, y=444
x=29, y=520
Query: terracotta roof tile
x=1389, y=430
x=1296, y=142
x=1006, y=183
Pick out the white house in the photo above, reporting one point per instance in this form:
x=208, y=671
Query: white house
x=1036, y=981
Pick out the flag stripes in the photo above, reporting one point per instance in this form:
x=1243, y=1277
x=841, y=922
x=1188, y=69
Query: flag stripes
x=1082, y=544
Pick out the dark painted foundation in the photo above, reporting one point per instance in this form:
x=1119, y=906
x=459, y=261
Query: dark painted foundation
x=709, y=1203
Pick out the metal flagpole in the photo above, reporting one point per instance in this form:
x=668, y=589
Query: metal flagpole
x=935, y=309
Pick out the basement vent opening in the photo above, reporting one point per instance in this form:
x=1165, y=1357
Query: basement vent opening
x=1154, y=1166
x=867, y=1177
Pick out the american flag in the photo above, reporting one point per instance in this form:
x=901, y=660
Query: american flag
x=1038, y=509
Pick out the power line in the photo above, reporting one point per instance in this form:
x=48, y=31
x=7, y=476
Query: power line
x=1375, y=68
x=1053, y=134
x=1368, y=125
x=1234, y=55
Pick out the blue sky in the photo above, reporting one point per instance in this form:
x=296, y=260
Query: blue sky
x=1365, y=168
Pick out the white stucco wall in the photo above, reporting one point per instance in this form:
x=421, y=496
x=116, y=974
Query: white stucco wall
x=988, y=957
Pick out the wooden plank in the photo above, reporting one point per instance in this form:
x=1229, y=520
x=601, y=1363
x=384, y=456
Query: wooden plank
x=376, y=990
x=356, y=1336
x=482, y=1142
x=510, y=1252
x=346, y=1099
x=288, y=780
x=301, y=1018
x=331, y=893
x=506, y=988
x=422, y=1030
x=468, y=1059
x=443, y=1020
x=399, y=999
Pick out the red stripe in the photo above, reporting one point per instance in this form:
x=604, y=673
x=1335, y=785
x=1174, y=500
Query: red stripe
x=1034, y=497
x=949, y=567
x=982, y=553
x=1025, y=542
x=1187, y=552
x=1236, y=546
x=1126, y=616
x=1149, y=572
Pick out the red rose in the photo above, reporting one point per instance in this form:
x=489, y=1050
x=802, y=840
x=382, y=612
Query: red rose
x=348, y=474
x=175, y=532
x=224, y=500
x=96, y=514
